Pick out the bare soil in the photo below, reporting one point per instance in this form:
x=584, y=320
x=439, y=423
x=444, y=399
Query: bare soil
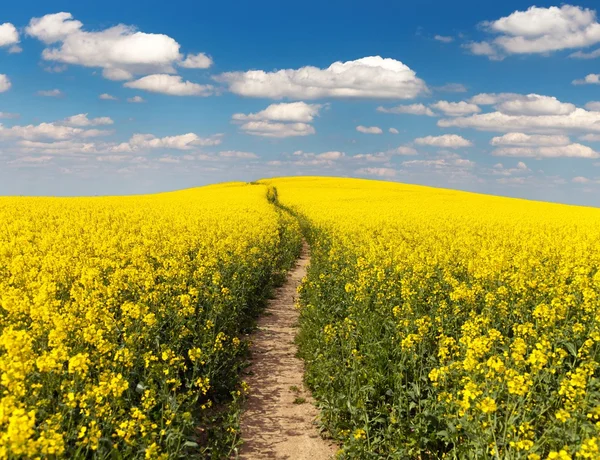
x=280, y=417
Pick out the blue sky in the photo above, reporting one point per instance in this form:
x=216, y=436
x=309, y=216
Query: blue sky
x=132, y=97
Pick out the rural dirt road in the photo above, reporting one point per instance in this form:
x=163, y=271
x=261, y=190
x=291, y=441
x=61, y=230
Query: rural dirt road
x=276, y=423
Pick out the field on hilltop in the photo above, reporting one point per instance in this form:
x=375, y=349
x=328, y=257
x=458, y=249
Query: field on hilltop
x=433, y=323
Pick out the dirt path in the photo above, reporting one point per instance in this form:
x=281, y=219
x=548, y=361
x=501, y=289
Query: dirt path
x=277, y=424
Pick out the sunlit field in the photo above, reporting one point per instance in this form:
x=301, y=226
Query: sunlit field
x=121, y=318
x=438, y=323
x=433, y=323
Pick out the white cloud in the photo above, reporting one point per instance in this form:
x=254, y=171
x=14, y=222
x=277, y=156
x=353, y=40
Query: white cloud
x=535, y=104
x=51, y=93
x=82, y=120
x=442, y=164
x=4, y=83
x=593, y=106
x=121, y=51
x=107, y=97
x=332, y=156
x=196, y=61
x=591, y=137
x=578, y=120
x=483, y=49
x=170, y=84
x=542, y=30
x=136, y=99
x=369, y=77
x=369, y=129
x=287, y=112
x=61, y=147
x=379, y=157
x=455, y=109
x=580, y=180
x=583, y=55
x=393, y=131
x=444, y=38
x=181, y=142
x=9, y=115
x=521, y=139
x=271, y=129
x=493, y=98
x=591, y=79
x=412, y=109
x=117, y=74
x=500, y=170
x=381, y=172
x=8, y=34
x=15, y=49
x=51, y=131
x=561, y=151
x=452, y=141
x=402, y=150
x=238, y=154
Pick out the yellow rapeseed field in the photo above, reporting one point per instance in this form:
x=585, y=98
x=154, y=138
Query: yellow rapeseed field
x=444, y=324
x=120, y=318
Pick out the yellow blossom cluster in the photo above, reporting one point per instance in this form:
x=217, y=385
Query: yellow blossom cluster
x=476, y=319
x=120, y=316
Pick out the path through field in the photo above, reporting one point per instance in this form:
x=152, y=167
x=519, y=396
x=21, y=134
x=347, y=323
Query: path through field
x=279, y=419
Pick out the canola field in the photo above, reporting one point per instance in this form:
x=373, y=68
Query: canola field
x=434, y=323
x=122, y=319
x=443, y=324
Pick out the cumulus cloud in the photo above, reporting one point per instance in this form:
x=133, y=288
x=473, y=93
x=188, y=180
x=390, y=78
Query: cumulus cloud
x=136, y=99
x=444, y=38
x=500, y=170
x=280, y=120
x=5, y=83
x=238, y=154
x=196, y=61
x=393, y=131
x=82, y=120
x=560, y=151
x=272, y=129
x=493, y=98
x=594, y=106
x=452, y=141
x=583, y=55
x=381, y=172
x=121, y=51
x=107, y=97
x=412, y=109
x=286, y=112
x=542, y=30
x=369, y=129
x=403, y=150
x=591, y=79
x=369, y=77
x=52, y=131
x=170, y=84
x=441, y=164
x=483, y=49
x=187, y=141
x=578, y=120
x=522, y=139
x=51, y=93
x=8, y=34
x=535, y=104
x=455, y=109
